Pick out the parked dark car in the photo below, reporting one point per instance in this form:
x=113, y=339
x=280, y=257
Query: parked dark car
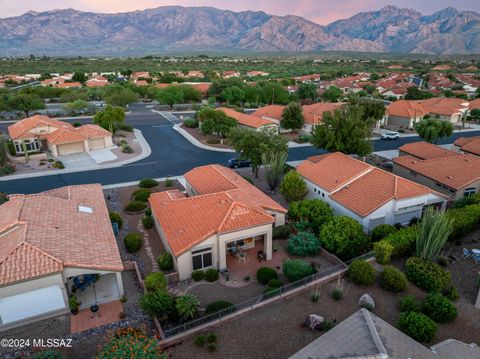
x=237, y=163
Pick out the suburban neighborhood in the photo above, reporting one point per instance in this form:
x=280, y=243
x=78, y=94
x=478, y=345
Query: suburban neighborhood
x=315, y=203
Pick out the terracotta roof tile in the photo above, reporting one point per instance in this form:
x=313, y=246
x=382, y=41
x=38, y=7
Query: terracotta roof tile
x=52, y=223
x=455, y=171
x=92, y=131
x=469, y=144
x=272, y=111
x=21, y=128
x=245, y=119
x=216, y=178
x=358, y=186
x=63, y=135
x=314, y=113
x=425, y=150
x=188, y=221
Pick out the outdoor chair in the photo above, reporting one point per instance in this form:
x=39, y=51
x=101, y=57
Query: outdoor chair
x=466, y=253
x=476, y=258
x=242, y=256
x=261, y=255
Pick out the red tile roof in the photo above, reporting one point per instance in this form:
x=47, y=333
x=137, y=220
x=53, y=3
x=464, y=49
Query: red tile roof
x=215, y=178
x=355, y=185
x=21, y=128
x=42, y=233
x=245, y=119
x=313, y=113
x=270, y=112
x=188, y=221
x=469, y=145
x=425, y=150
x=454, y=171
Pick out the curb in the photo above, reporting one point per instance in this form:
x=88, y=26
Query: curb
x=197, y=143
x=146, y=151
x=134, y=183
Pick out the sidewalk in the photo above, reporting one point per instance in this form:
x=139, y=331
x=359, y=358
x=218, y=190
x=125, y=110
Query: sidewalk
x=197, y=143
x=146, y=151
x=180, y=179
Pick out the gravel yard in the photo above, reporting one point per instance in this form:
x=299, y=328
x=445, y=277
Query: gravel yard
x=211, y=292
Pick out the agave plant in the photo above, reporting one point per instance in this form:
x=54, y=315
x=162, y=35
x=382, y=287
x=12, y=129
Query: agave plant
x=433, y=233
x=275, y=167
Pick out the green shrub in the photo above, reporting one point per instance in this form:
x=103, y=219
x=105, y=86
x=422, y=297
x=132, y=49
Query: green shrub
x=147, y=183
x=296, y=269
x=464, y=220
x=211, y=347
x=382, y=231
x=47, y=354
x=155, y=281
x=427, y=275
x=313, y=212
x=198, y=275
x=211, y=275
x=451, y=293
x=304, y=137
x=270, y=292
x=249, y=180
x=410, y=303
x=403, y=241
x=281, y=232
x=274, y=283
x=148, y=212
x=191, y=123
x=141, y=195
x=467, y=201
x=344, y=237
x=418, y=326
x=59, y=165
x=218, y=306
x=11, y=148
x=187, y=306
x=116, y=217
x=439, y=308
x=127, y=149
x=126, y=128
x=165, y=261
x=383, y=251
x=133, y=242
x=6, y=170
x=264, y=274
x=168, y=182
x=337, y=294
x=199, y=340
x=135, y=206
x=314, y=297
x=361, y=272
x=147, y=222
x=130, y=343
x=393, y=279
x=159, y=302
x=303, y=244
x=211, y=338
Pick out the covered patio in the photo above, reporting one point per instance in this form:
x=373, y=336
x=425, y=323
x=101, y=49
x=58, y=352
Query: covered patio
x=93, y=289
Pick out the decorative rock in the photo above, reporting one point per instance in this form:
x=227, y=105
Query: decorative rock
x=366, y=301
x=314, y=322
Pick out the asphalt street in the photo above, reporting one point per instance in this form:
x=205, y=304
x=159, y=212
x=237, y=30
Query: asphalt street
x=172, y=155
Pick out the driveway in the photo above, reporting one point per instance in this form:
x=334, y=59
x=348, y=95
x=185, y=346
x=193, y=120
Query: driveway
x=78, y=160
x=102, y=155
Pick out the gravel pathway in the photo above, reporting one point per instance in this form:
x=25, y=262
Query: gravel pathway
x=148, y=247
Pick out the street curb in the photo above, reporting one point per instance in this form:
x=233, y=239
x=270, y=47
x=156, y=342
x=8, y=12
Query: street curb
x=197, y=143
x=146, y=151
x=181, y=179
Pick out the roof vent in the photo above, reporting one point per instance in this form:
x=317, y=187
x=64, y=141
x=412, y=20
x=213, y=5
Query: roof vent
x=85, y=209
x=449, y=177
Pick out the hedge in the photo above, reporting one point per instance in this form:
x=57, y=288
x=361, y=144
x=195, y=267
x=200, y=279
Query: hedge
x=383, y=251
x=410, y=303
x=117, y=218
x=135, y=206
x=147, y=183
x=133, y=242
x=303, y=244
x=393, y=279
x=165, y=261
x=264, y=274
x=382, y=231
x=155, y=281
x=418, y=326
x=296, y=269
x=147, y=222
x=464, y=220
x=361, y=272
x=191, y=123
x=141, y=195
x=274, y=283
x=281, y=232
x=218, y=306
x=439, y=308
x=403, y=241
x=427, y=275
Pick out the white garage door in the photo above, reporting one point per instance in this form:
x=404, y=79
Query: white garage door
x=404, y=218
x=30, y=304
x=97, y=143
x=69, y=148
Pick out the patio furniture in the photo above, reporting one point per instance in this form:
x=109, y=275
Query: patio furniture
x=261, y=255
x=476, y=251
x=466, y=253
x=476, y=258
x=242, y=256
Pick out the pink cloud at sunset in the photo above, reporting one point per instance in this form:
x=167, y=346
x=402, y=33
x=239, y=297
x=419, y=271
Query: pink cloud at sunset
x=322, y=12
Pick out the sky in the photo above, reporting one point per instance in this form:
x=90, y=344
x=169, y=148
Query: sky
x=319, y=11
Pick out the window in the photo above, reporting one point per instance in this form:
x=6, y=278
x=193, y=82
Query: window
x=31, y=146
x=202, y=258
x=469, y=191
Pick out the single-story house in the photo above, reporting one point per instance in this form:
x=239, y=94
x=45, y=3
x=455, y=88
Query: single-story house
x=97, y=81
x=54, y=244
x=270, y=113
x=41, y=133
x=365, y=193
x=453, y=174
x=220, y=212
x=468, y=145
x=404, y=113
x=364, y=335
x=250, y=121
x=313, y=113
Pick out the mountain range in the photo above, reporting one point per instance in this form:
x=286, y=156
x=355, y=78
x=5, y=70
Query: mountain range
x=170, y=29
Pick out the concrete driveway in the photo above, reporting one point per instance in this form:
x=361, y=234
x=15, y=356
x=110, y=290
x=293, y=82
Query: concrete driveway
x=78, y=160
x=102, y=155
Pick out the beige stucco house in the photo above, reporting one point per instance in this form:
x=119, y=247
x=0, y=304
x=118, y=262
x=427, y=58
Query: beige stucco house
x=41, y=133
x=51, y=244
x=220, y=214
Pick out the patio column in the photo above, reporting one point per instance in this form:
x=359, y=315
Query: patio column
x=222, y=255
x=120, y=283
x=267, y=244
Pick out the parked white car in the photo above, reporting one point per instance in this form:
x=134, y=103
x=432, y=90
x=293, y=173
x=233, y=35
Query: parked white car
x=390, y=135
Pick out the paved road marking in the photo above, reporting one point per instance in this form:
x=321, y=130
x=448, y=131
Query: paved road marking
x=140, y=164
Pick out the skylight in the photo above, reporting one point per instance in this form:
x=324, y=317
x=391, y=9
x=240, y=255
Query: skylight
x=85, y=209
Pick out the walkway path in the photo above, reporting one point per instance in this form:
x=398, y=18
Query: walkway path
x=148, y=247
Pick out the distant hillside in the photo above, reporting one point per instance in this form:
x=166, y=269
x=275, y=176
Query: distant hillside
x=174, y=28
